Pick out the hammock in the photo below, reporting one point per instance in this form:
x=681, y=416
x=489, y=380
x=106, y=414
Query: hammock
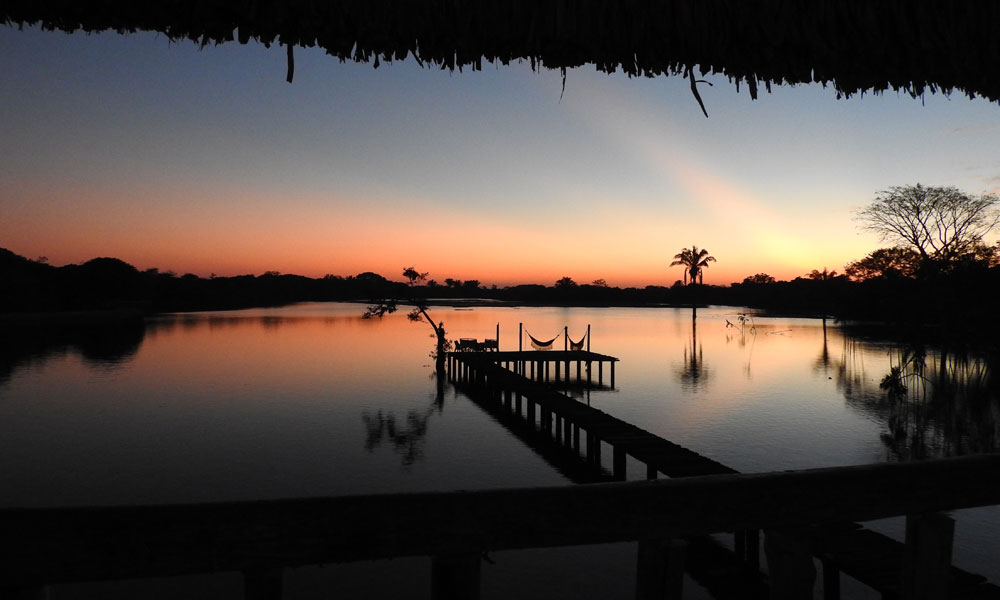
x=540, y=345
x=577, y=345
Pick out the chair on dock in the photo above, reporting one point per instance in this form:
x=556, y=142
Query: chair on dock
x=474, y=345
x=466, y=345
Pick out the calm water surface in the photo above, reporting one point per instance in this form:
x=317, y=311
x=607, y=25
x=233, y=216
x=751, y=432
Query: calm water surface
x=312, y=400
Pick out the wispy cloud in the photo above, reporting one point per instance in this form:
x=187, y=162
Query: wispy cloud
x=977, y=128
x=993, y=184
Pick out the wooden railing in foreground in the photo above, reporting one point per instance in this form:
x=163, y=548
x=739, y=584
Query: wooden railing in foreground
x=46, y=546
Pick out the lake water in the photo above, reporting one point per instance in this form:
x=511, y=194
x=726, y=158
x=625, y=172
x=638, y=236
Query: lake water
x=313, y=400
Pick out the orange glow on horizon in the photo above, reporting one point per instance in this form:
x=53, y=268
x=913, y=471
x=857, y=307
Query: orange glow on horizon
x=227, y=230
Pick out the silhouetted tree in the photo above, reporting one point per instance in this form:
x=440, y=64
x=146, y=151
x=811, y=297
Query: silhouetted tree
x=419, y=313
x=941, y=224
x=565, y=283
x=694, y=262
x=599, y=283
x=823, y=275
x=759, y=278
x=884, y=262
x=453, y=283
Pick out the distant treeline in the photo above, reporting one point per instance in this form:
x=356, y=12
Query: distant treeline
x=961, y=300
x=108, y=283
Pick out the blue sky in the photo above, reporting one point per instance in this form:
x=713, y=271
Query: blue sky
x=206, y=160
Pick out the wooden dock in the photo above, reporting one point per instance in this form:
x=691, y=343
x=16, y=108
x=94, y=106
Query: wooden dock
x=581, y=427
x=871, y=558
x=721, y=571
x=555, y=366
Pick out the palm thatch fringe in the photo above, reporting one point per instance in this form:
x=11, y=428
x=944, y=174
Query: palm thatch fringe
x=913, y=46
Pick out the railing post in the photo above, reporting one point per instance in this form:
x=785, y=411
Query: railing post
x=455, y=577
x=831, y=579
x=753, y=549
x=927, y=556
x=790, y=564
x=660, y=570
x=262, y=584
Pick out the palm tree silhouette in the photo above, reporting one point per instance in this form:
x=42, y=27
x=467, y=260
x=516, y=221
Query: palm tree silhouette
x=694, y=261
x=823, y=275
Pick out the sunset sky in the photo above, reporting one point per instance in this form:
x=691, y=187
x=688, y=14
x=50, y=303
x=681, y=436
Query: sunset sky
x=207, y=161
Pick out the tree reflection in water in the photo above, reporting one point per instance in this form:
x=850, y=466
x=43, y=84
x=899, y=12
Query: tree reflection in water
x=932, y=403
x=741, y=332
x=407, y=436
x=693, y=373
x=824, y=362
x=102, y=342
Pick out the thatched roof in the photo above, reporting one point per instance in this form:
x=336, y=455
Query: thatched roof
x=855, y=45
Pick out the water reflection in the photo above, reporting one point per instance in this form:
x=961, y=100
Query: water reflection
x=407, y=436
x=930, y=402
x=824, y=362
x=693, y=373
x=101, y=343
x=743, y=332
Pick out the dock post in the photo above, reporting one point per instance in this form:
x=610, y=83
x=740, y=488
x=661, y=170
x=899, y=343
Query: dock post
x=660, y=569
x=558, y=364
x=593, y=449
x=600, y=372
x=262, y=584
x=651, y=472
x=612, y=374
x=455, y=577
x=588, y=337
x=520, y=337
x=576, y=437
x=618, y=463
x=517, y=402
x=927, y=556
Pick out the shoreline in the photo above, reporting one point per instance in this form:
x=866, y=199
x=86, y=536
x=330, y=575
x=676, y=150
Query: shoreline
x=90, y=320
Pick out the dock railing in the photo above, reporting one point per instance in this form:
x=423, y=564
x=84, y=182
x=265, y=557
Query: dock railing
x=59, y=545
